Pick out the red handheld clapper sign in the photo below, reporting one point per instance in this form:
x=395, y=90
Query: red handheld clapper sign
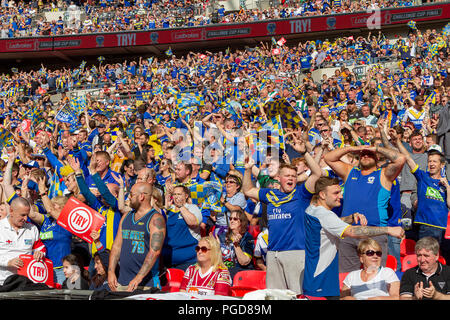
x=37, y=271
x=80, y=219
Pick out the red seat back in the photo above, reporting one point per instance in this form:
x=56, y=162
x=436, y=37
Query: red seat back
x=174, y=277
x=409, y=261
x=342, y=276
x=391, y=262
x=247, y=281
x=407, y=246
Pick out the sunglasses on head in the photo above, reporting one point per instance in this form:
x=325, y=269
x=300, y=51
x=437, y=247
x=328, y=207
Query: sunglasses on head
x=203, y=249
x=370, y=253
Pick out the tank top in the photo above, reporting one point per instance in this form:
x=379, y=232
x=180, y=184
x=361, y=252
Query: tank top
x=135, y=246
x=366, y=195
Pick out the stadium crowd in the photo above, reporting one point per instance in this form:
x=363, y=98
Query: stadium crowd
x=209, y=161
x=21, y=19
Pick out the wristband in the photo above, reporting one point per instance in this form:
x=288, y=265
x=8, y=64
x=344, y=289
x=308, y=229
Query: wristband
x=99, y=247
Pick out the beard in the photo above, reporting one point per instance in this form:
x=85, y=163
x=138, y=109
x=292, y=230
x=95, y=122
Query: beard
x=367, y=164
x=134, y=205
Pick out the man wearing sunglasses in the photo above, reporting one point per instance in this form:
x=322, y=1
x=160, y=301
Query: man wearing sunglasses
x=323, y=230
x=368, y=191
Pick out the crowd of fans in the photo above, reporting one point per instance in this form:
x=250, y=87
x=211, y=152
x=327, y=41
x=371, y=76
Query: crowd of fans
x=114, y=144
x=27, y=19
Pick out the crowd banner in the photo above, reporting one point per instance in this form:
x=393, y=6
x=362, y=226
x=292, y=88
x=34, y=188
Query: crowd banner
x=279, y=28
x=80, y=219
x=37, y=271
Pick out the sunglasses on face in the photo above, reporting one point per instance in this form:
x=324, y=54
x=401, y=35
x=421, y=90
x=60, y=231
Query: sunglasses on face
x=202, y=249
x=234, y=219
x=370, y=253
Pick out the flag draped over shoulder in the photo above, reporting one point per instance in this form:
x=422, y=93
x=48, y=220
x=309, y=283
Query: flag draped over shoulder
x=289, y=117
x=70, y=111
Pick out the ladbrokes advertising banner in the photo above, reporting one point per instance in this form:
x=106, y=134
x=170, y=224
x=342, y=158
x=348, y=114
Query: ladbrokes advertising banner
x=371, y=19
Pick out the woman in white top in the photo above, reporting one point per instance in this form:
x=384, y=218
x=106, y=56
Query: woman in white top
x=372, y=282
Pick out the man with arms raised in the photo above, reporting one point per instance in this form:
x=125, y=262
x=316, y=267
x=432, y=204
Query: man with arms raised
x=367, y=190
x=285, y=213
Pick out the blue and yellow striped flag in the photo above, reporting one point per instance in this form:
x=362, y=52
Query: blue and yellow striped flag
x=431, y=98
x=6, y=138
x=289, y=117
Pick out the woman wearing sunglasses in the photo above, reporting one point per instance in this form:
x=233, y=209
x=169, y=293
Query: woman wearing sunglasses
x=238, y=245
x=209, y=276
x=372, y=282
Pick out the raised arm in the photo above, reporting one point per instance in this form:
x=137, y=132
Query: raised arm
x=397, y=161
x=333, y=159
x=395, y=138
x=247, y=186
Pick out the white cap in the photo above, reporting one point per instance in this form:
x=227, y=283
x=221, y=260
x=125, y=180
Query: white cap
x=435, y=147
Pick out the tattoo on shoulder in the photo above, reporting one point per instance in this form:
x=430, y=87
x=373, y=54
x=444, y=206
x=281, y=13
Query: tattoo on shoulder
x=159, y=223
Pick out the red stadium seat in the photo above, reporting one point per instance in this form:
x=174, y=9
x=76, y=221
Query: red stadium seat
x=247, y=281
x=409, y=261
x=342, y=276
x=174, y=277
x=391, y=262
x=442, y=260
x=407, y=246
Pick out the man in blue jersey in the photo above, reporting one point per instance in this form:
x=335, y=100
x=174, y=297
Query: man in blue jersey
x=433, y=198
x=367, y=190
x=285, y=213
x=324, y=229
x=138, y=243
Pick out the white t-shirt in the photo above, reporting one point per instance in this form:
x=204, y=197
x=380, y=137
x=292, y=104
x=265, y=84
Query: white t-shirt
x=13, y=244
x=375, y=287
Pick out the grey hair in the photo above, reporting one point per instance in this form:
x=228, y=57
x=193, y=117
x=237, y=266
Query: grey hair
x=428, y=243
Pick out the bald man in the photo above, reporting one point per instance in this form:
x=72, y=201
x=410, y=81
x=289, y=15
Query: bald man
x=17, y=237
x=149, y=175
x=138, y=243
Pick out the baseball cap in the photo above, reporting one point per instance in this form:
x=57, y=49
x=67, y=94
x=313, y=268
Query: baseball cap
x=31, y=164
x=435, y=148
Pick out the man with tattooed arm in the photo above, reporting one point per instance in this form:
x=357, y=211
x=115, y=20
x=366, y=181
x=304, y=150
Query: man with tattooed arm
x=138, y=243
x=367, y=190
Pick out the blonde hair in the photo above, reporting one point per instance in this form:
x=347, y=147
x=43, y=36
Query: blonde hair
x=60, y=200
x=216, y=252
x=366, y=243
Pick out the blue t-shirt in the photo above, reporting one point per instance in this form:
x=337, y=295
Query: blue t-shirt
x=285, y=217
x=56, y=239
x=432, y=200
x=180, y=241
